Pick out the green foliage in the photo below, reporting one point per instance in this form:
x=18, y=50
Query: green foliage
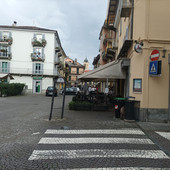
x=12, y=89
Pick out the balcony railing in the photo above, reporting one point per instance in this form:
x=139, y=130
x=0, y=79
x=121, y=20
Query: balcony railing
x=123, y=10
x=114, y=44
x=6, y=41
x=37, y=57
x=126, y=8
x=39, y=43
x=108, y=54
x=59, y=54
x=30, y=71
x=57, y=49
x=5, y=55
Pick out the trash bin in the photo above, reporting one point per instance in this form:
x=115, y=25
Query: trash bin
x=118, y=103
x=130, y=110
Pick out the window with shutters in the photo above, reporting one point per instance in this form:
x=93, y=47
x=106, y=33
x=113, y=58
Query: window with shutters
x=5, y=52
x=39, y=40
x=37, y=68
x=5, y=38
x=38, y=54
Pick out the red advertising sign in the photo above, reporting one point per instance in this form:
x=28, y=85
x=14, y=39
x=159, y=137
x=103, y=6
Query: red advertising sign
x=154, y=55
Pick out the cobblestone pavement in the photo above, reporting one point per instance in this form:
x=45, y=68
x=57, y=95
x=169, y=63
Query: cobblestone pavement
x=82, y=140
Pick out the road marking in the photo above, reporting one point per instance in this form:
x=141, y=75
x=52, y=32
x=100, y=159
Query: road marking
x=99, y=131
x=121, y=168
x=164, y=134
x=97, y=153
x=47, y=140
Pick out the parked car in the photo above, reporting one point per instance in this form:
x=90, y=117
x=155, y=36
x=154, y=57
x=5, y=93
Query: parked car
x=76, y=89
x=49, y=91
x=69, y=91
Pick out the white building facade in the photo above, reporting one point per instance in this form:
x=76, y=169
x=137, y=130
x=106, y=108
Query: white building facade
x=29, y=54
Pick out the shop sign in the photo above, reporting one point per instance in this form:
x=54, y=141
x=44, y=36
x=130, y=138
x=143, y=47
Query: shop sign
x=37, y=78
x=138, y=48
x=154, y=55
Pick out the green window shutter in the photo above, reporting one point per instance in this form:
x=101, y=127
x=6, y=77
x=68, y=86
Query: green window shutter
x=34, y=36
x=34, y=50
x=0, y=35
x=10, y=34
x=8, y=67
x=43, y=56
x=9, y=50
x=42, y=68
x=0, y=67
x=33, y=68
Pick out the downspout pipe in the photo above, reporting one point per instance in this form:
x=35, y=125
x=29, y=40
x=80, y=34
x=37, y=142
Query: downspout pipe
x=132, y=20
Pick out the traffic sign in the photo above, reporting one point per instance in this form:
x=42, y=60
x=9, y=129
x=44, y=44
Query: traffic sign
x=155, y=68
x=154, y=55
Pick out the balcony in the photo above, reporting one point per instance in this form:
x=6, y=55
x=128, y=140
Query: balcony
x=61, y=66
x=109, y=54
x=6, y=41
x=57, y=49
x=39, y=43
x=114, y=45
x=59, y=54
x=37, y=57
x=5, y=55
x=126, y=8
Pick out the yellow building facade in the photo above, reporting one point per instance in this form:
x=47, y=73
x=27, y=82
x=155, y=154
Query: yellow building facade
x=145, y=24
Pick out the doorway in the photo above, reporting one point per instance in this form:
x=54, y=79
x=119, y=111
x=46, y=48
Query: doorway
x=37, y=86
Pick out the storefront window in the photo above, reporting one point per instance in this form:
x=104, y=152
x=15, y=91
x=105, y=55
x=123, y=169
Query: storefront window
x=137, y=85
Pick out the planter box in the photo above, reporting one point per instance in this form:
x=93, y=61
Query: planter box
x=80, y=107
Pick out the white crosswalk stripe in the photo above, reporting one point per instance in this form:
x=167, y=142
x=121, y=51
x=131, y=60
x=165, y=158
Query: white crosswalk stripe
x=92, y=131
x=68, y=138
x=94, y=140
x=121, y=153
x=164, y=134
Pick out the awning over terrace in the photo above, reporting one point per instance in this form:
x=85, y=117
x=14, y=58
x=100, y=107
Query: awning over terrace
x=111, y=71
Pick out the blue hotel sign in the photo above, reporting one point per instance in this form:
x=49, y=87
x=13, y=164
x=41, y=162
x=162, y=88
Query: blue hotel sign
x=155, y=68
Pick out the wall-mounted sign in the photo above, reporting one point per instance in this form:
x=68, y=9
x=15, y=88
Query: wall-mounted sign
x=60, y=80
x=137, y=85
x=155, y=68
x=154, y=55
x=37, y=78
x=138, y=48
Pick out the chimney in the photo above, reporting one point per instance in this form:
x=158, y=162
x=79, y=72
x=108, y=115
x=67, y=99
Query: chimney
x=75, y=61
x=15, y=23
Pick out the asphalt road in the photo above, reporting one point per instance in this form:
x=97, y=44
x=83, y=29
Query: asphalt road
x=81, y=140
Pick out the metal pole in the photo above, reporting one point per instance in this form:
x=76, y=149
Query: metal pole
x=52, y=101
x=62, y=113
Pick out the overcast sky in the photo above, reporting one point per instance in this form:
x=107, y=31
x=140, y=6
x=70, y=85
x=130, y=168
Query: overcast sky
x=78, y=22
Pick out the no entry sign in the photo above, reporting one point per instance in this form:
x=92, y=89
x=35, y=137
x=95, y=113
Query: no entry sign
x=154, y=55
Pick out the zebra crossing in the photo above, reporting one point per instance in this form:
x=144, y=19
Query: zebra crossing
x=123, y=148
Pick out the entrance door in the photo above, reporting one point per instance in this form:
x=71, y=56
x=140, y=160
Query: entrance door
x=37, y=86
